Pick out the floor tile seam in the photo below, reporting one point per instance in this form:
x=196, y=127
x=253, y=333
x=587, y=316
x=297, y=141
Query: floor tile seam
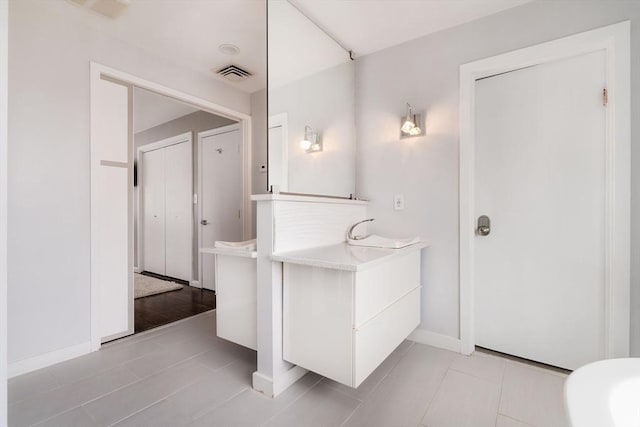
x=154, y=402
x=511, y=417
x=352, y=414
x=137, y=382
x=424, y=414
x=500, y=396
x=37, y=423
x=478, y=377
x=173, y=365
x=401, y=356
x=81, y=405
x=203, y=413
x=219, y=368
x=87, y=401
x=291, y=403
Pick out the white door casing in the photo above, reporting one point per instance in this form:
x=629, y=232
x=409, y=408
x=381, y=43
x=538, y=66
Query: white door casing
x=278, y=169
x=4, y=56
x=220, y=193
x=111, y=208
x=614, y=40
x=98, y=72
x=539, y=177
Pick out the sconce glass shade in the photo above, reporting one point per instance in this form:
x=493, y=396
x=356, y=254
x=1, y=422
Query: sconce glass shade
x=311, y=142
x=409, y=121
x=410, y=124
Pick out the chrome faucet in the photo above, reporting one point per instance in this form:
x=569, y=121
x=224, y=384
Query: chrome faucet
x=350, y=235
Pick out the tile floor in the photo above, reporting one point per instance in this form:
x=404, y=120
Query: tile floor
x=183, y=375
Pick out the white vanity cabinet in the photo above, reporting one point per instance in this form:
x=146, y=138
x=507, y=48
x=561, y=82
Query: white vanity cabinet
x=345, y=308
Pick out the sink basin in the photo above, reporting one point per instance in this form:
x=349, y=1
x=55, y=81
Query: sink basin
x=375, y=241
x=604, y=394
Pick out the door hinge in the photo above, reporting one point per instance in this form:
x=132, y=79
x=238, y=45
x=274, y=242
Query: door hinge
x=605, y=97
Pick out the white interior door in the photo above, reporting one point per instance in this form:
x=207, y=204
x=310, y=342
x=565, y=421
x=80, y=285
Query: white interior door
x=111, y=216
x=153, y=211
x=540, y=178
x=178, y=211
x=220, y=195
x=278, y=170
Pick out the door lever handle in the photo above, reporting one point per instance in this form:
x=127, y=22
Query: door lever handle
x=484, y=226
x=204, y=222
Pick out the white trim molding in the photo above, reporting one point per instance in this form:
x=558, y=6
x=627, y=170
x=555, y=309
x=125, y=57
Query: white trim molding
x=43, y=360
x=615, y=40
x=273, y=387
x=434, y=339
x=281, y=120
x=98, y=71
x=4, y=136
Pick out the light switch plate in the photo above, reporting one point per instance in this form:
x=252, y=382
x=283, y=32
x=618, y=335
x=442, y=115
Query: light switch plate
x=398, y=202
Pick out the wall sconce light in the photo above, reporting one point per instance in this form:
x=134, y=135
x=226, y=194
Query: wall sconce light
x=311, y=142
x=410, y=124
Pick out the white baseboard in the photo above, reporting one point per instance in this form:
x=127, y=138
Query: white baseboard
x=43, y=360
x=435, y=339
x=273, y=388
x=136, y=269
x=195, y=284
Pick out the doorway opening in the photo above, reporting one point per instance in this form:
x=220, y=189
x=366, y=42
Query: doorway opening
x=168, y=269
x=147, y=229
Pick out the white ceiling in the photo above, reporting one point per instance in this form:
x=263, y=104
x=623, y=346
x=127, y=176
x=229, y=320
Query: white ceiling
x=308, y=53
x=190, y=31
x=150, y=109
x=366, y=26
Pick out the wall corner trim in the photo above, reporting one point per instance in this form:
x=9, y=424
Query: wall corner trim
x=47, y=359
x=434, y=339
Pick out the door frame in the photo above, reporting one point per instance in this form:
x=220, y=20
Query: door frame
x=184, y=138
x=4, y=137
x=98, y=71
x=243, y=208
x=615, y=40
x=282, y=120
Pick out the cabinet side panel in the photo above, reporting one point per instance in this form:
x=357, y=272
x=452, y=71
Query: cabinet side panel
x=236, y=304
x=318, y=319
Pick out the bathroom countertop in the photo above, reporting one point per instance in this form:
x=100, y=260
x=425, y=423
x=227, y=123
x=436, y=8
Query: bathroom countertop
x=344, y=257
x=230, y=251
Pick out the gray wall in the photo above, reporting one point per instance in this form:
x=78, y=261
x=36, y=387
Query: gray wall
x=194, y=122
x=51, y=45
x=259, y=134
x=324, y=101
x=425, y=72
x=199, y=121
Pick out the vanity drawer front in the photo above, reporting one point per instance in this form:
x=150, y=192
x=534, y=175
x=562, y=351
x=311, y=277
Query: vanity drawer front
x=379, y=287
x=376, y=339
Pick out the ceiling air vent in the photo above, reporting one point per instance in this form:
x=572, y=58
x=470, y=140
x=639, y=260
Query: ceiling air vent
x=233, y=73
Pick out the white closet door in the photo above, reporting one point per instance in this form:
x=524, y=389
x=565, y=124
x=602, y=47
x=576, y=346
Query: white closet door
x=153, y=211
x=178, y=209
x=111, y=274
